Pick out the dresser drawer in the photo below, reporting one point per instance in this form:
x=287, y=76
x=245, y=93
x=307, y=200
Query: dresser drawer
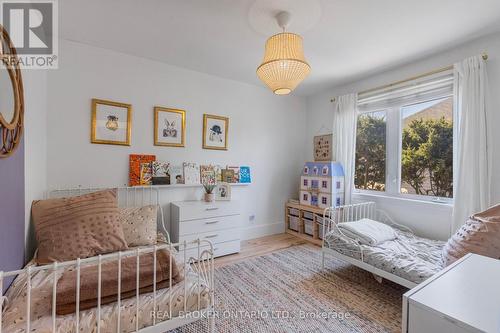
x=216, y=236
x=220, y=249
x=193, y=210
x=208, y=225
x=421, y=320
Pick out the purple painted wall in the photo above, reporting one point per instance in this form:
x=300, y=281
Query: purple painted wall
x=12, y=211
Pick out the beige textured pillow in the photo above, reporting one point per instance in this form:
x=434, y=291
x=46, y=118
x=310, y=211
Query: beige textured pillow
x=77, y=227
x=139, y=225
x=480, y=235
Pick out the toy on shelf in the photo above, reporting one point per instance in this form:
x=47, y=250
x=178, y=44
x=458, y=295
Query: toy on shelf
x=322, y=184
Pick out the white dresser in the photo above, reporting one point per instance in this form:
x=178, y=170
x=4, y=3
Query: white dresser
x=465, y=297
x=218, y=222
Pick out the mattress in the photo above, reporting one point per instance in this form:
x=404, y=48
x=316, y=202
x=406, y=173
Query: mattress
x=14, y=316
x=408, y=256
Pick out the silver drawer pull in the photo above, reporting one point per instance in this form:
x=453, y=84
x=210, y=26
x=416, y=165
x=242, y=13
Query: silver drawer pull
x=212, y=222
x=213, y=208
x=211, y=236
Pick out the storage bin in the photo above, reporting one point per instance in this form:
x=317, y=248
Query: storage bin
x=293, y=212
x=308, y=215
x=308, y=227
x=294, y=223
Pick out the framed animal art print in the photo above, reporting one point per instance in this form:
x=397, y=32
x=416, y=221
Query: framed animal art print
x=215, y=129
x=111, y=122
x=170, y=127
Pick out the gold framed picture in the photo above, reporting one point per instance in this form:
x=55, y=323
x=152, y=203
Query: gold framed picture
x=215, y=129
x=170, y=127
x=111, y=122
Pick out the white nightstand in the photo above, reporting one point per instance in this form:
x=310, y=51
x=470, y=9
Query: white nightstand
x=464, y=297
x=219, y=222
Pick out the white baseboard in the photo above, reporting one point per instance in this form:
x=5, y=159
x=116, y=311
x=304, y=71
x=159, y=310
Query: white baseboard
x=262, y=230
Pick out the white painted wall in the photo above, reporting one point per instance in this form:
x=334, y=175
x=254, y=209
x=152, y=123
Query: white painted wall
x=35, y=146
x=427, y=219
x=266, y=132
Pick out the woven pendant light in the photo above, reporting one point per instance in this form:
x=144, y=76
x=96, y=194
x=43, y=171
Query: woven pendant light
x=284, y=65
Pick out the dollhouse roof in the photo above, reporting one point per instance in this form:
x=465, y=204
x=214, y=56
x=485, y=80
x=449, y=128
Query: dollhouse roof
x=323, y=169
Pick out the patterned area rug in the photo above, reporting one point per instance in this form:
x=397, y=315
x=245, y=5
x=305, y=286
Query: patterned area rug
x=287, y=291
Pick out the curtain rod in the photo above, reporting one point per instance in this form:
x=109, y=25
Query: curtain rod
x=439, y=70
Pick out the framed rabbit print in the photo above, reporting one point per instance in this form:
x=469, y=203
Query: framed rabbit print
x=111, y=122
x=170, y=127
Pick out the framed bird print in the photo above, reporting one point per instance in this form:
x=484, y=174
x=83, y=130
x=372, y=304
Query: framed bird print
x=170, y=127
x=215, y=129
x=111, y=122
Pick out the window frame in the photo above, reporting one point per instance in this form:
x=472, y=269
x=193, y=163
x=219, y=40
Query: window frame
x=394, y=148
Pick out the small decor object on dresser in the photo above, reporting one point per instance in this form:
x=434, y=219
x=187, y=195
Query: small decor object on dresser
x=215, y=130
x=161, y=173
x=111, y=122
x=176, y=174
x=170, y=127
x=323, y=145
x=236, y=175
x=209, y=189
x=227, y=175
x=191, y=173
x=223, y=192
x=245, y=174
x=135, y=164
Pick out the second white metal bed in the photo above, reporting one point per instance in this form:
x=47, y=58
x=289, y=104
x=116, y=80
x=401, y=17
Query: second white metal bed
x=22, y=309
x=419, y=256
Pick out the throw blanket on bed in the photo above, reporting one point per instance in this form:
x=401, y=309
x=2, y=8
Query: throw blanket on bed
x=66, y=286
x=367, y=231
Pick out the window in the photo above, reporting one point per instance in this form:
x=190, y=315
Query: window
x=370, y=151
x=324, y=184
x=324, y=200
x=405, y=140
x=305, y=182
x=427, y=148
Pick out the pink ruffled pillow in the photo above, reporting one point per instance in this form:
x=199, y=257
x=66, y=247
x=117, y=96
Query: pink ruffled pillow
x=480, y=235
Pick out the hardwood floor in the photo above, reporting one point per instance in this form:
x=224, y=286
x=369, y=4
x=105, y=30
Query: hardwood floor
x=261, y=246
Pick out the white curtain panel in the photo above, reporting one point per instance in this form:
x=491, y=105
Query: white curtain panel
x=472, y=181
x=345, y=121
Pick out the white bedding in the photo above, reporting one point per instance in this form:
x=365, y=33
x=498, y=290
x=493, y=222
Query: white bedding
x=14, y=317
x=368, y=232
x=408, y=256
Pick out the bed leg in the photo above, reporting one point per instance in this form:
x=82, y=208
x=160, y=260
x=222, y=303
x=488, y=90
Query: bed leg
x=377, y=278
x=211, y=324
x=322, y=259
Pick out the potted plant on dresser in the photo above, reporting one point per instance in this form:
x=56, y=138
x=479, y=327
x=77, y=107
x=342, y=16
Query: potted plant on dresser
x=209, y=195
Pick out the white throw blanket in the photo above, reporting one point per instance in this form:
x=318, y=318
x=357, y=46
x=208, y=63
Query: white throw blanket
x=367, y=231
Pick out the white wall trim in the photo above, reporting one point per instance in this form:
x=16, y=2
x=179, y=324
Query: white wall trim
x=261, y=230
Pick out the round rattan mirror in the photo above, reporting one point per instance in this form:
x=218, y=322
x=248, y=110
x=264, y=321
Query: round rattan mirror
x=11, y=96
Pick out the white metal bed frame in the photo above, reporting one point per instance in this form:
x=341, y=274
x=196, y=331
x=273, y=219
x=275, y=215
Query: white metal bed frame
x=334, y=215
x=203, y=265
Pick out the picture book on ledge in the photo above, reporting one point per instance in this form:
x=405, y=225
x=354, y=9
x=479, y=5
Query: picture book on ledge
x=160, y=173
x=191, y=173
x=135, y=167
x=145, y=170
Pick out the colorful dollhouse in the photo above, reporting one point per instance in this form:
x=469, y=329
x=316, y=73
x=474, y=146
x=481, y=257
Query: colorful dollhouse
x=322, y=184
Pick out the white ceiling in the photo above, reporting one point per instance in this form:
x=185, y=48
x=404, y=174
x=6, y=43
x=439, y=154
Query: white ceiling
x=351, y=37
